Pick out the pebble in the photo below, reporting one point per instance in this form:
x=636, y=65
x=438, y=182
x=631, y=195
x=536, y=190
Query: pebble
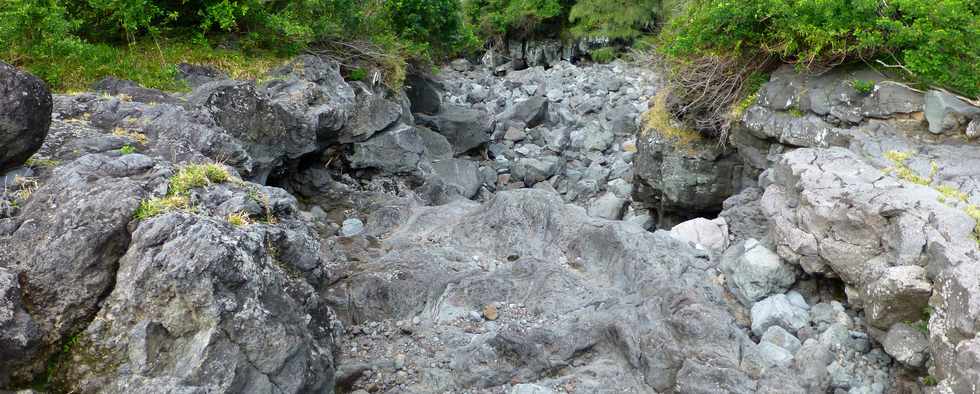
x=352, y=227
x=490, y=312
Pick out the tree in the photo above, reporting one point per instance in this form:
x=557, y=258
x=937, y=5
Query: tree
x=613, y=19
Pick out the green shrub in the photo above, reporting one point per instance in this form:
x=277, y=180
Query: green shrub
x=937, y=41
x=613, y=19
x=127, y=150
x=516, y=18
x=604, y=55
x=862, y=86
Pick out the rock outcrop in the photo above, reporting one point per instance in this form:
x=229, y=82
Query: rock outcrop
x=25, y=115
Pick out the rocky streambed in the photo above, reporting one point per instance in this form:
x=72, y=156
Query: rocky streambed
x=485, y=229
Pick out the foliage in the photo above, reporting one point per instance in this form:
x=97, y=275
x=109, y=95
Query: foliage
x=436, y=22
x=862, y=86
x=613, y=19
x=239, y=219
x=156, y=206
x=127, y=150
x=936, y=41
x=197, y=175
x=604, y=55
x=515, y=18
x=658, y=119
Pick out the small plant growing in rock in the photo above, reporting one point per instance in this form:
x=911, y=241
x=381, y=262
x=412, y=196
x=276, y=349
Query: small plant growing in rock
x=930, y=381
x=795, y=112
x=357, y=74
x=604, y=55
x=156, y=206
x=36, y=162
x=136, y=136
x=904, y=172
x=864, y=87
x=239, y=219
x=197, y=175
x=659, y=120
x=127, y=150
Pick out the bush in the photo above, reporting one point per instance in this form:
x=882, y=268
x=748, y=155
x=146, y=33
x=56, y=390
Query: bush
x=613, y=19
x=516, y=18
x=935, y=41
x=603, y=55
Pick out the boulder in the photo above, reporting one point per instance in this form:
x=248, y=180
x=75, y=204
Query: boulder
x=778, y=310
x=19, y=333
x=592, y=137
x=196, y=75
x=130, y=90
x=68, y=243
x=312, y=89
x=373, y=112
x=464, y=175
x=778, y=336
x=534, y=170
x=396, y=151
x=754, y=272
x=900, y=294
x=424, y=94
x=906, y=344
x=465, y=128
x=25, y=116
x=607, y=206
x=437, y=147
x=710, y=234
x=947, y=113
x=532, y=112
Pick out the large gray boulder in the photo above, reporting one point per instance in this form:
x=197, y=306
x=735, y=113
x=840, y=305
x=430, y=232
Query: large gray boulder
x=25, y=115
x=372, y=113
x=947, y=113
x=907, y=345
x=465, y=128
x=311, y=89
x=754, y=272
x=395, y=151
x=68, y=242
x=19, y=333
x=463, y=175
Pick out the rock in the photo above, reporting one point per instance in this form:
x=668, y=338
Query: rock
x=396, y=151
x=711, y=234
x=754, y=272
x=131, y=91
x=437, y=147
x=69, y=240
x=196, y=75
x=532, y=112
x=465, y=128
x=424, y=94
x=534, y=170
x=745, y=216
x=490, y=312
x=526, y=388
x=906, y=344
x=947, y=113
x=464, y=175
x=312, y=89
x=351, y=227
x=901, y=294
x=683, y=180
x=461, y=65
x=775, y=355
x=778, y=336
x=973, y=129
x=607, y=206
x=592, y=137
x=372, y=113
x=19, y=334
x=777, y=310
x=25, y=116
x=515, y=134
x=824, y=315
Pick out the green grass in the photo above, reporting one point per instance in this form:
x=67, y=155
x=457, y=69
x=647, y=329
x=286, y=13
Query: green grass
x=604, y=55
x=239, y=219
x=151, y=63
x=127, y=150
x=178, y=194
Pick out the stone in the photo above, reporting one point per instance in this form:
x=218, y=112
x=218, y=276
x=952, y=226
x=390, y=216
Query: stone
x=777, y=310
x=25, y=116
x=19, y=333
x=775, y=355
x=131, y=91
x=463, y=175
x=196, y=74
x=461, y=65
x=465, y=128
x=527, y=388
x=973, y=129
x=396, y=151
x=778, y=336
x=515, y=134
x=607, y=206
x=906, y=344
x=754, y=272
x=351, y=227
x=946, y=112
x=592, y=137
x=436, y=146
x=901, y=294
x=534, y=170
x=532, y=112
x=424, y=94
x=823, y=315
x=490, y=312
x=711, y=234
x=373, y=112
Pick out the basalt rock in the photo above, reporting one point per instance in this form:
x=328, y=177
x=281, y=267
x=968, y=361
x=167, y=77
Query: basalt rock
x=25, y=115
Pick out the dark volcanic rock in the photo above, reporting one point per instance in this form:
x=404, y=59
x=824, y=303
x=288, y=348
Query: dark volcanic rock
x=25, y=115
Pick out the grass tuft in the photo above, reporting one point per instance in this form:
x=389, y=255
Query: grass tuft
x=239, y=219
x=197, y=175
x=658, y=119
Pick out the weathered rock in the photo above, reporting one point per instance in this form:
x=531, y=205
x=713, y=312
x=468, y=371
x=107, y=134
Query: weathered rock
x=19, y=334
x=351, y=227
x=424, y=94
x=25, y=116
x=778, y=310
x=130, y=90
x=395, y=151
x=465, y=128
x=464, y=175
x=778, y=336
x=947, y=113
x=68, y=243
x=311, y=89
x=711, y=234
x=906, y=344
x=532, y=112
x=372, y=113
x=745, y=216
x=534, y=170
x=754, y=272
x=196, y=75
x=607, y=206
x=592, y=137
x=900, y=294
x=437, y=147
x=680, y=182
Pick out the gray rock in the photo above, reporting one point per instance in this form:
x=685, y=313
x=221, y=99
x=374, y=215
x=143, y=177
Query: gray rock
x=901, y=294
x=777, y=310
x=396, y=151
x=312, y=89
x=947, y=113
x=19, y=334
x=745, y=216
x=465, y=128
x=461, y=65
x=437, y=147
x=424, y=94
x=530, y=389
x=532, y=112
x=823, y=315
x=25, y=116
x=778, y=336
x=351, y=227
x=534, y=170
x=754, y=272
x=607, y=206
x=592, y=137
x=711, y=234
x=196, y=75
x=774, y=355
x=973, y=129
x=906, y=344
x=68, y=242
x=131, y=91
x=372, y=113
x=464, y=175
